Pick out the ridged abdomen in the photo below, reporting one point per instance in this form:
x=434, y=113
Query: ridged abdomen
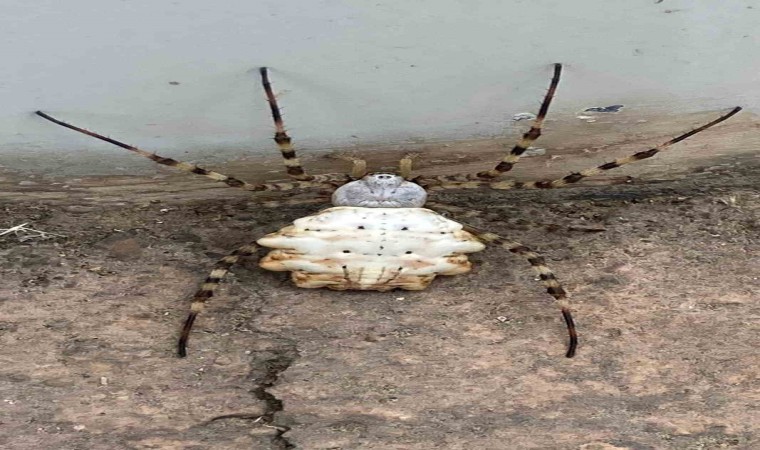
x=370, y=248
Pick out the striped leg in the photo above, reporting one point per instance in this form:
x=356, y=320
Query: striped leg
x=437, y=183
x=206, y=291
x=294, y=202
x=292, y=164
x=514, y=221
x=528, y=138
x=553, y=286
x=522, y=145
x=318, y=181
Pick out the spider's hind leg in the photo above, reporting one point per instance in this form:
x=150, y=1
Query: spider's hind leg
x=206, y=291
x=553, y=287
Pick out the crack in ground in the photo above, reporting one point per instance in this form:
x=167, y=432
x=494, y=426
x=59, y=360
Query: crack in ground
x=266, y=369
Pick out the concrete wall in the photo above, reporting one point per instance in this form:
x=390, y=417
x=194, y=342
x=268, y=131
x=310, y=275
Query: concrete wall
x=180, y=77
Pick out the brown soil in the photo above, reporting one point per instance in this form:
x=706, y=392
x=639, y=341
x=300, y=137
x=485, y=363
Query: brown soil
x=665, y=300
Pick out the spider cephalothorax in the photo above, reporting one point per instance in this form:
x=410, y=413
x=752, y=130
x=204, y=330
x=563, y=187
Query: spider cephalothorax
x=380, y=190
x=378, y=236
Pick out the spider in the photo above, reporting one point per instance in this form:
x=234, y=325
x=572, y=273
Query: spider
x=377, y=235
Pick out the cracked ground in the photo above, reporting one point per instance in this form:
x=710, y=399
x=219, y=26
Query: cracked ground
x=664, y=279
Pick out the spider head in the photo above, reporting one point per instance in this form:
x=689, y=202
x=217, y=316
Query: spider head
x=380, y=190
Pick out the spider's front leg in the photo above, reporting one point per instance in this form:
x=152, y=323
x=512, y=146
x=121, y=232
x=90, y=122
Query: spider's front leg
x=511, y=158
x=531, y=135
x=447, y=182
x=316, y=181
x=284, y=142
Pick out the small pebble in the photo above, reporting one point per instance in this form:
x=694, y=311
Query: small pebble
x=523, y=116
x=223, y=361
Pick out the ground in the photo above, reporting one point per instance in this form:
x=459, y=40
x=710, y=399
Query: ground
x=663, y=278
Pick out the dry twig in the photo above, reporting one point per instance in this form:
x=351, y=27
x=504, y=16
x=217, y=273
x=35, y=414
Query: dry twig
x=24, y=233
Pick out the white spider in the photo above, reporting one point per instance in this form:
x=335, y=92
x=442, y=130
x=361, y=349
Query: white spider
x=378, y=236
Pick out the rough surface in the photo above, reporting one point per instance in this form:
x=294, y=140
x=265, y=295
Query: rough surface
x=376, y=249
x=665, y=298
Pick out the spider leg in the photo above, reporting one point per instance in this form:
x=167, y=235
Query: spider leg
x=453, y=209
x=293, y=202
x=528, y=138
x=317, y=181
x=405, y=166
x=470, y=212
x=292, y=164
x=358, y=165
x=553, y=287
x=206, y=291
x=437, y=183
x=511, y=158
x=358, y=168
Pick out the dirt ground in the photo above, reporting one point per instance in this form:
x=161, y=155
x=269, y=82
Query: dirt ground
x=665, y=299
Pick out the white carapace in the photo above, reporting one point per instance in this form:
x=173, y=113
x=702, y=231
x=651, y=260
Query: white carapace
x=377, y=237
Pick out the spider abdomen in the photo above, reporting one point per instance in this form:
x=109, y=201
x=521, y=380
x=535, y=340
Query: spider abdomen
x=370, y=248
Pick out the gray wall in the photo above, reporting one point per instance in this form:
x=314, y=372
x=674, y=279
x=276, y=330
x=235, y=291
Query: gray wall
x=352, y=71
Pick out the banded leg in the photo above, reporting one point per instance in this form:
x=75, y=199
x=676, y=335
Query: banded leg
x=523, y=144
x=553, y=287
x=528, y=138
x=516, y=221
x=293, y=202
x=437, y=183
x=206, y=291
x=319, y=181
x=292, y=164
